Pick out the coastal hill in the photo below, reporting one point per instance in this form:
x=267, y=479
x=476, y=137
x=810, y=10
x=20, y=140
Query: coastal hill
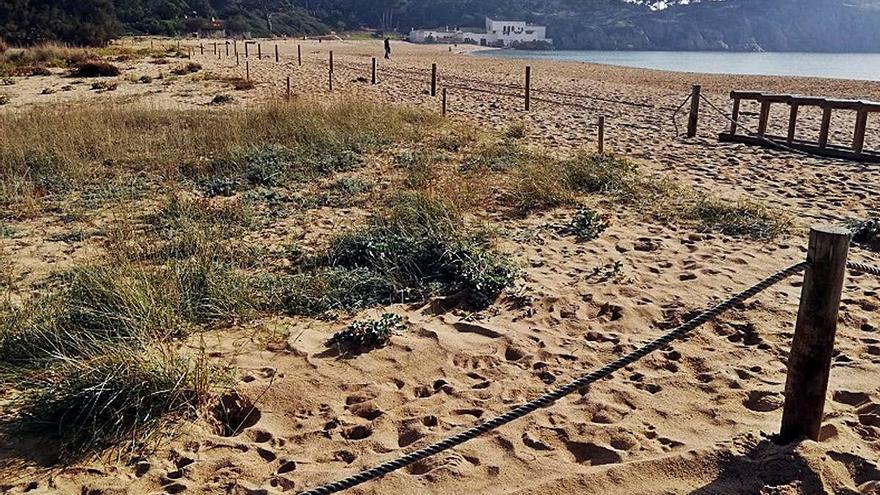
x=736, y=25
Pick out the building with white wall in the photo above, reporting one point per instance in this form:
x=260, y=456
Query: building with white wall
x=497, y=33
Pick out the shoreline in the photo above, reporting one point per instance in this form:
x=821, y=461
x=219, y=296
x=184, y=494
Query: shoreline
x=549, y=55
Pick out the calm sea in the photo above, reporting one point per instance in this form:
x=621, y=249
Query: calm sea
x=833, y=65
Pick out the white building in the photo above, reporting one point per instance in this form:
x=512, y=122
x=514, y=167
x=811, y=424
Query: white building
x=497, y=33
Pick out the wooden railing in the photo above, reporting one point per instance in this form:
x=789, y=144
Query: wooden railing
x=856, y=151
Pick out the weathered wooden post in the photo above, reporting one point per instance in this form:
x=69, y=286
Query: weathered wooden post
x=331, y=60
x=178, y=45
x=373, y=73
x=201, y=48
x=246, y=50
x=861, y=126
x=433, y=80
x=693, y=118
x=247, y=70
x=528, y=88
x=826, y=125
x=809, y=362
x=792, y=122
x=237, y=63
x=734, y=120
x=288, y=87
x=259, y=51
x=601, y=137
x=763, y=117
x=330, y=79
x=299, y=55
x=151, y=45
x=215, y=48
x=227, y=47
x=234, y=46
x=277, y=57
x=443, y=105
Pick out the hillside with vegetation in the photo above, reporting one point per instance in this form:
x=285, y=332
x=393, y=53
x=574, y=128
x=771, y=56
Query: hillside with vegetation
x=777, y=25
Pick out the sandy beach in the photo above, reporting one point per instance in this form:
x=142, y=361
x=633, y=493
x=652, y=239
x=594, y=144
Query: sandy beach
x=695, y=418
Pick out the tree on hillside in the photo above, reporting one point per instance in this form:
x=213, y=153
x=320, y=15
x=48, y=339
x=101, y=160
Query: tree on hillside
x=84, y=22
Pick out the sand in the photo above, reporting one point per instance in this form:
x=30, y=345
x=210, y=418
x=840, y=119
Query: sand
x=694, y=418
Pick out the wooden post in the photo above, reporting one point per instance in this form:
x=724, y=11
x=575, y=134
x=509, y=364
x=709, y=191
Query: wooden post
x=151, y=44
x=288, y=87
x=215, y=48
x=861, y=125
x=299, y=55
x=259, y=51
x=234, y=46
x=734, y=116
x=433, y=79
x=277, y=57
x=373, y=74
x=227, y=48
x=237, y=63
x=826, y=126
x=178, y=45
x=443, y=105
x=792, y=122
x=528, y=88
x=809, y=362
x=763, y=118
x=694, y=116
x=247, y=70
x=331, y=60
x=330, y=76
x=601, y=138
x=246, y=50
x=202, y=48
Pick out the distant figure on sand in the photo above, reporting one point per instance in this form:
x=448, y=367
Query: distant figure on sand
x=387, y=48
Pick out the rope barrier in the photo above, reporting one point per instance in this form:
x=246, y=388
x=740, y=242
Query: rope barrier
x=861, y=267
x=549, y=398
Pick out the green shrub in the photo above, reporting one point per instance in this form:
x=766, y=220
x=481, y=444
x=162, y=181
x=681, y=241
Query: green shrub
x=222, y=99
x=362, y=336
x=95, y=68
x=189, y=68
x=866, y=233
x=422, y=248
x=586, y=225
x=322, y=290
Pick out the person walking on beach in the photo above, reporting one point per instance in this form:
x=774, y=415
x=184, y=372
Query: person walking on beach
x=387, y=48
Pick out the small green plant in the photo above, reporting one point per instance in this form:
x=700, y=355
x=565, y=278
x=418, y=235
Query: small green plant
x=189, y=68
x=866, y=233
x=221, y=99
x=586, y=225
x=609, y=271
x=342, y=192
x=362, y=336
x=105, y=86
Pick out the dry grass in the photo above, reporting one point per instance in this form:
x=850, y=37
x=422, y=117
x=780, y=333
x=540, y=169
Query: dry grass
x=82, y=146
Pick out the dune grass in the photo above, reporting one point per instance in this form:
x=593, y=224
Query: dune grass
x=82, y=147
x=545, y=181
x=417, y=248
